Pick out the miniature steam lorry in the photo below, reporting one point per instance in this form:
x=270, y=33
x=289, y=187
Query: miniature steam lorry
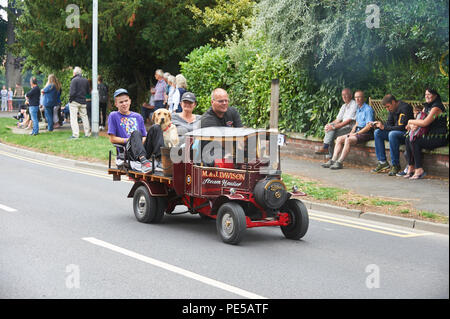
x=228, y=174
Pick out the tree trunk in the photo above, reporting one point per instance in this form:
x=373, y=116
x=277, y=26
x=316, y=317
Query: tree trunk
x=141, y=88
x=13, y=68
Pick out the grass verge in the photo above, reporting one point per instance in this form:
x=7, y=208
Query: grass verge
x=57, y=143
x=344, y=198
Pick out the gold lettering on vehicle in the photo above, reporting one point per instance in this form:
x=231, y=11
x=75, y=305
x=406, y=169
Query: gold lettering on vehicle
x=223, y=175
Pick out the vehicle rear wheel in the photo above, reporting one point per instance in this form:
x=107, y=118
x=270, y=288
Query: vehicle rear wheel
x=231, y=223
x=299, y=220
x=147, y=208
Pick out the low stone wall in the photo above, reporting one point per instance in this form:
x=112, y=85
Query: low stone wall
x=436, y=163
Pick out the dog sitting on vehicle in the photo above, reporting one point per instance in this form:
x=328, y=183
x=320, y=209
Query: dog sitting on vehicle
x=170, y=132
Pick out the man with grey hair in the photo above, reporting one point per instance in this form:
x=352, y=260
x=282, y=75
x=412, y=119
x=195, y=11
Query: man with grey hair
x=341, y=125
x=79, y=88
x=160, y=89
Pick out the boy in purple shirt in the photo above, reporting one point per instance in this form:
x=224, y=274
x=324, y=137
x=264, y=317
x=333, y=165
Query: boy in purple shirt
x=127, y=128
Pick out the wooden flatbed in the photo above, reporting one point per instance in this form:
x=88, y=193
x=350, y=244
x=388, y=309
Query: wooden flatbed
x=134, y=175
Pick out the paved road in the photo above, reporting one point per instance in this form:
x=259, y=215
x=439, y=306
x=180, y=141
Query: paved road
x=69, y=232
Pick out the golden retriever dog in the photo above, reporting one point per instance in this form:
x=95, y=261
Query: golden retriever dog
x=170, y=132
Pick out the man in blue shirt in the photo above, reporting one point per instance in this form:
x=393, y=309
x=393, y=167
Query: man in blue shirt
x=361, y=132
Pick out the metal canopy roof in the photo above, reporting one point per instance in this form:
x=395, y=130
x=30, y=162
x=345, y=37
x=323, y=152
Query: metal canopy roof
x=222, y=131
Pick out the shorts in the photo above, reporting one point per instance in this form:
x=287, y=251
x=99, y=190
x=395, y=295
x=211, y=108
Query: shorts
x=365, y=137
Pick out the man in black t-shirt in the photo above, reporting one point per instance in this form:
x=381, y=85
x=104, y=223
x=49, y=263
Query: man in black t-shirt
x=220, y=114
x=394, y=131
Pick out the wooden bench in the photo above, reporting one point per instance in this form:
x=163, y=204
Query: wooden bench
x=381, y=114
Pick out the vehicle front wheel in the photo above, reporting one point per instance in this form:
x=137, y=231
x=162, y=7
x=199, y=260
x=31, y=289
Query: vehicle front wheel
x=299, y=220
x=147, y=208
x=231, y=223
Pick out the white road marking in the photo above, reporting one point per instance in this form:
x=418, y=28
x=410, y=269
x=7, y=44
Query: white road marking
x=8, y=209
x=366, y=226
x=174, y=269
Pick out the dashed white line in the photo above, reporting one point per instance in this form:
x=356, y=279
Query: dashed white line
x=8, y=209
x=174, y=269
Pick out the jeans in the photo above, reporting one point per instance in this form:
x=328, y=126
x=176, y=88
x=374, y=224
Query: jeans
x=49, y=117
x=34, y=117
x=395, y=138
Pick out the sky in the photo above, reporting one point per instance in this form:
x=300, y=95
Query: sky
x=3, y=3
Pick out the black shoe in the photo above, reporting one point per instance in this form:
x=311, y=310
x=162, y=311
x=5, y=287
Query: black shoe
x=328, y=164
x=337, y=165
x=395, y=169
x=381, y=167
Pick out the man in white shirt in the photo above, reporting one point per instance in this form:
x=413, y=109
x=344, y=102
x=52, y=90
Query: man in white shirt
x=341, y=125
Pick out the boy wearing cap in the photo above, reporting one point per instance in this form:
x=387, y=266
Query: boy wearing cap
x=127, y=128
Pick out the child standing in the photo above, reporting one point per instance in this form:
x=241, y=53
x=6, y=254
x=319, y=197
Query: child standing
x=10, y=99
x=4, y=94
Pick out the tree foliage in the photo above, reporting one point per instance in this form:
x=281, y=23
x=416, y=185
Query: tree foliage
x=225, y=17
x=135, y=37
x=245, y=68
x=334, y=40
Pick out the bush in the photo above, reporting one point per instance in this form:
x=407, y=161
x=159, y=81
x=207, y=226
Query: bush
x=246, y=69
x=205, y=70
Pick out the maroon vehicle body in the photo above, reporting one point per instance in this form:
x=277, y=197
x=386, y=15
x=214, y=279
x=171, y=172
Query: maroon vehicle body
x=241, y=188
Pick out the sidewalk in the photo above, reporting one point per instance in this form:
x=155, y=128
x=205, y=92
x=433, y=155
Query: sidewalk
x=430, y=194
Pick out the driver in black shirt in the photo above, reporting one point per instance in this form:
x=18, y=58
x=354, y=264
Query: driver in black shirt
x=220, y=114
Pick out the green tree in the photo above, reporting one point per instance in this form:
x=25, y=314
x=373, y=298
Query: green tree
x=224, y=17
x=333, y=39
x=135, y=38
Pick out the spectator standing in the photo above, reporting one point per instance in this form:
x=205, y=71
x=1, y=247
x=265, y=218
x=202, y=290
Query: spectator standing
x=394, y=131
x=166, y=93
x=181, y=88
x=89, y=103
x=172, y=88
x=437, y=135
x=103, y=101
x=10, y=99
x=18, y=92
x=79, y=89
x=148, y=108
x=4, y=95
x=58, y=117
x=33, y=97
x=50, y=99
x=160, y=89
